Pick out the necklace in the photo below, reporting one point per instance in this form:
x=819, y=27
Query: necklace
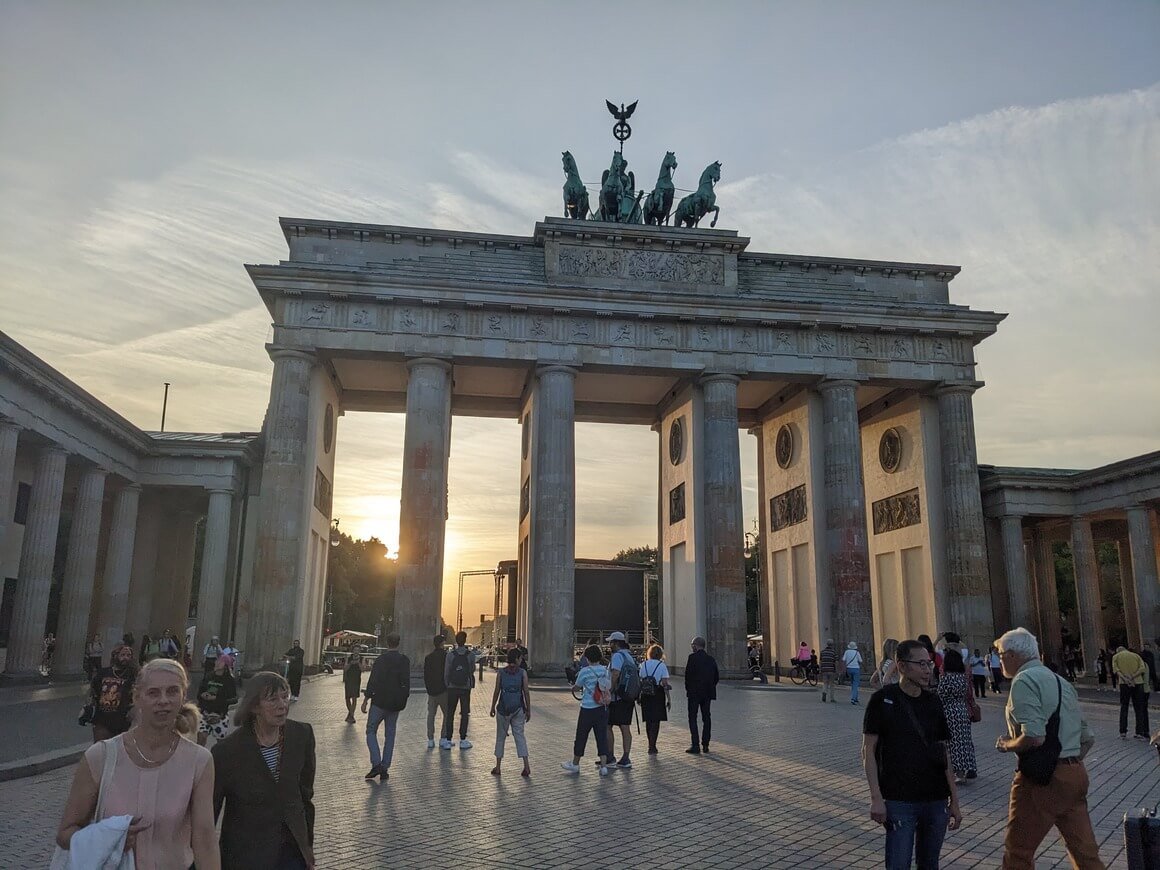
x=150, y=761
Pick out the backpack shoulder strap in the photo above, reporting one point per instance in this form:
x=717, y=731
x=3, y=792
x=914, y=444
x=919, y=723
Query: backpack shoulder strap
x=112, y=747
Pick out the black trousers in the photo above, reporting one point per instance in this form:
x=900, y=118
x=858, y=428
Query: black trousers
x=460, y=698
x=980, y=681
x=996, y=680
x=1138, y=698
x=294, y=678
x=700, y=705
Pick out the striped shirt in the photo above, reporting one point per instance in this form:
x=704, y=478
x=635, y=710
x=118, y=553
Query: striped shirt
x=827, y=660
x=270, y=755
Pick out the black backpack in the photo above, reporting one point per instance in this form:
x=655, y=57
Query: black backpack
x=461, y=675
x=648, y=684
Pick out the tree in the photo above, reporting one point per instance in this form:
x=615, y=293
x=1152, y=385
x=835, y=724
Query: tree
x=639, y=555
x=360, y=584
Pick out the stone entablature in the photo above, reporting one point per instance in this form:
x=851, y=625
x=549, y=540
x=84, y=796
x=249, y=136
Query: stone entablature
x=1051, y=492
x=574, y=293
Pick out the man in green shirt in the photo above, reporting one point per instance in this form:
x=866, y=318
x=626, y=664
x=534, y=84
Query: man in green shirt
x=1035, y=694
x=1133, y=674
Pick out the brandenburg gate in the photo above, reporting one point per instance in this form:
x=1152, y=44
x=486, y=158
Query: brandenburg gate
x=856, y=377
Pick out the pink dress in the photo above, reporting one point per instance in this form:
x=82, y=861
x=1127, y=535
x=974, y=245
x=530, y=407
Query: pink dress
x=161, y=795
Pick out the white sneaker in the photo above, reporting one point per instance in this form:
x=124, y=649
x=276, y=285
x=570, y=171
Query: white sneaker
x=293, y=697
x=570, y=767
x=464, y=744
x=430, y=744
x=604, y=771
x=445, y=744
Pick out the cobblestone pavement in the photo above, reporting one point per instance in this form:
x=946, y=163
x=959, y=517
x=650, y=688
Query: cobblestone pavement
x=783, y=787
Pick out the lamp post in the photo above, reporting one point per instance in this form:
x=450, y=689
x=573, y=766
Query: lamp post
x=335, y=538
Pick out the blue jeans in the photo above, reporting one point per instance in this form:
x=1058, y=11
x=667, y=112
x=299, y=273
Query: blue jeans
x=855, y=676
x=377, y=717
x=915, y=829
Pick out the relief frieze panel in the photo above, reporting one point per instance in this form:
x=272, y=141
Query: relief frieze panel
x=896, y=512
x=788, y=508
x=662, y=266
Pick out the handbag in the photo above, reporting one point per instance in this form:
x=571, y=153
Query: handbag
x=1038, y=764
x=973, y=708
x=936, y=750
x=60, y=857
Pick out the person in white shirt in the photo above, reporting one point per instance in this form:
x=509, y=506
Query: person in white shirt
x=979, y=674
x=852, y=659
x=654, y=706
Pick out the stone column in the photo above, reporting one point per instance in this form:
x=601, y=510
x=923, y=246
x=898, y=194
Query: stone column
x=174, y=611
x=30, y=608
x=76, y=594
x=847, y=550
x=423, y=506
x=146, y=584
x=1087, y=592
x=215, y=553
x=552, y=542
x=9, y=434
x=119, y=565
x=724, y=538
x=1047, y=599
x=966, y=542
x=1144, y=573
x=1128, y=590
x=1018, y=582
x=282, y=516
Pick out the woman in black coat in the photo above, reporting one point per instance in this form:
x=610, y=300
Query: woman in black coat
x=264, y=783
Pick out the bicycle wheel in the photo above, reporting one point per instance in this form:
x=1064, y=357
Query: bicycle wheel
x=577, y=692
x=797, y=677
x=812, y=676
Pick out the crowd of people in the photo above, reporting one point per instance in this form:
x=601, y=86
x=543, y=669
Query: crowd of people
x=917, y=750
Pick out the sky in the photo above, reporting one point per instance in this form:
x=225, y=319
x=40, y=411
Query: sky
x=147, y=151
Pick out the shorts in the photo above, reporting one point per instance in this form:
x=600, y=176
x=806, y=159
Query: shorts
x=219, y=727
x=620, y=712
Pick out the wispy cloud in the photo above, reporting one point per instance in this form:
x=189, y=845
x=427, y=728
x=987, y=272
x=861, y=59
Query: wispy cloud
x=1051, y=211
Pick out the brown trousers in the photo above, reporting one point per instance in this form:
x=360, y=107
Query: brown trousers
x=1033, y=811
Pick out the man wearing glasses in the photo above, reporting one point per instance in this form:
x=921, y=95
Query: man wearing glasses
x=1043, y=714
x=912, y=783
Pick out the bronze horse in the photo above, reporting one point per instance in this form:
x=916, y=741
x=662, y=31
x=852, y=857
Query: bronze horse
x=660, y=201
x=696, y=205
x=575, y=193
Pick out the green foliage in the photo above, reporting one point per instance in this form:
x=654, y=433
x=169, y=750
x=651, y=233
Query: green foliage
x=360, y=584
x=639, y=555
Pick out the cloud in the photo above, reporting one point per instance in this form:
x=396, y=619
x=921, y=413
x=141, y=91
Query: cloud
x=1050, y=210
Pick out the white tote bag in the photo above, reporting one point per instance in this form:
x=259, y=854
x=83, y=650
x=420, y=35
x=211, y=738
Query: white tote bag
x=60, y=857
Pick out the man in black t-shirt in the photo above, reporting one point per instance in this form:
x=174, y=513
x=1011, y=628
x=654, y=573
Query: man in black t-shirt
x=912, y=787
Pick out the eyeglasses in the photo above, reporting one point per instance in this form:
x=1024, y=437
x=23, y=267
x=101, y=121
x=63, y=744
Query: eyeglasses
x=922, y=663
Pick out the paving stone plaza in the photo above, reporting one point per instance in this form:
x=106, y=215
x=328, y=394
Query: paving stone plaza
x=783, y=787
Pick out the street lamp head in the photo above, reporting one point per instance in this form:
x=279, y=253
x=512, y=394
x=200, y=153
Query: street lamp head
x=335, y=539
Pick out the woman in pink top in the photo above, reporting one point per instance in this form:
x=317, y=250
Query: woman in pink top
x=161, y=778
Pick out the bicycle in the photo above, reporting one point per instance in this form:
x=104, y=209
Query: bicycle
x=802, y=674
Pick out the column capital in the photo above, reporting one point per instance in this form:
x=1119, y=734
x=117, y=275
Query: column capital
x=277, y=352
x=8, y=423
x=827, y=384
x=1137, y=509
x=555, y=368
x=429, y=361
x=947, y=388
x=715, y=377
x=53, y=450
x=95, y=470
x=131, y=486
x=220, y=490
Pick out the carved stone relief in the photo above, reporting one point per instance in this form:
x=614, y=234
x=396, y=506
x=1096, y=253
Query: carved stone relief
x=677, y=503
x=783, y=446
x=897, y=512
x=662, y=266
x=788, y=508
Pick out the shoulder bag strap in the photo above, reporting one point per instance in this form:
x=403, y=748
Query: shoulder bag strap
x=915, y=723
x=112, y=748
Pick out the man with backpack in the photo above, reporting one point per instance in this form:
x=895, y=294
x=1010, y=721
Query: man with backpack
x=388, y=688
x=511, y=706
x=625, y=691
x=436, y=686
x=459, y=675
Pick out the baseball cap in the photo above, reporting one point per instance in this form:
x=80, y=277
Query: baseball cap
x=616, y=635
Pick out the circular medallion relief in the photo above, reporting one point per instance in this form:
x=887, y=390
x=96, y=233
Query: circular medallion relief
x=783, y=446
x=890, y=450
x=677, y=441
x=328, y=429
